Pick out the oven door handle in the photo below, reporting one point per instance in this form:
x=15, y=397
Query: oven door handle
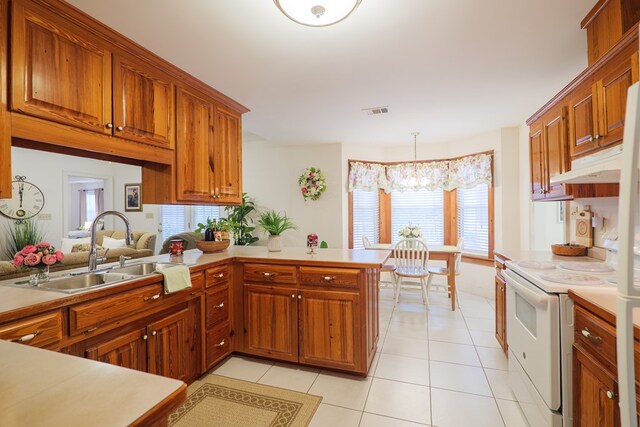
x=529, y=295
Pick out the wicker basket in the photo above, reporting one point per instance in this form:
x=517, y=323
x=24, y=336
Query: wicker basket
x=211, y=246
x=569, y=249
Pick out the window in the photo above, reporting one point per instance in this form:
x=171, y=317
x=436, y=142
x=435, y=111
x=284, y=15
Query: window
x=423, y=208
x=473, y=218
x=178, y=219
x=366, y=214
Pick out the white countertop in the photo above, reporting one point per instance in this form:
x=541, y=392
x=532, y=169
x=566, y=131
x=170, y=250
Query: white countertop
x=15, y=298
x=44, y=388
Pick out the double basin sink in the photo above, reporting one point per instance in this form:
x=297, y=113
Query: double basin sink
x=86, y=281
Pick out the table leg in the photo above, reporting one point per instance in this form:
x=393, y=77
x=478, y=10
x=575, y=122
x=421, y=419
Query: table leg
x=451, y=279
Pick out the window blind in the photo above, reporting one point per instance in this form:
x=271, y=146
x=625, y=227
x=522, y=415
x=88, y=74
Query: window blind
x=473, y=218
x=366, y=212
x=199, y=214
x=173, y=220
x=424, y=208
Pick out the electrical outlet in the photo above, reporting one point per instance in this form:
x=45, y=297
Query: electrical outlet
x=44, y=216
x=148, y=215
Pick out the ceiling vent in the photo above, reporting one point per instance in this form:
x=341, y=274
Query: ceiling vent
x=376, y=110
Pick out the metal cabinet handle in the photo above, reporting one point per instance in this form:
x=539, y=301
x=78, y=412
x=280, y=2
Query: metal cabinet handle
x=591, y=138
x=328, y=278
x=219, y=306
x=88, y=331
x=220, y=344
x=268, y=274
x=109, y=125
x=593, y=338
x=293, y=295
x=154, y=333
x=119, y=128
x=151, y=298
x=219, y=276
x=28, y=337
x=597, y=137
x=145, y=336
x=299, y=296
x=611, y=394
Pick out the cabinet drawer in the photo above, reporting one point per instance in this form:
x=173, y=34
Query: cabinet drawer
x=595, y=335
x=217, y=310
x=36, y=331
x=217, y=275
x=341, y=277
x=218, y=344
x=93, y=314
x=269, y=273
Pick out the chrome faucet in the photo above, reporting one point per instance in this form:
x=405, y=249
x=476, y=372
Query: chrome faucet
x=93, y=252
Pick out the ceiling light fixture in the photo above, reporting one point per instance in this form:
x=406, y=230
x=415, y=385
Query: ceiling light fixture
x=413, y=180
x=317, y=13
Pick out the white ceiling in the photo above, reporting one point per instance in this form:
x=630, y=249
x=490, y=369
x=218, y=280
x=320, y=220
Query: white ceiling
x=446, y=68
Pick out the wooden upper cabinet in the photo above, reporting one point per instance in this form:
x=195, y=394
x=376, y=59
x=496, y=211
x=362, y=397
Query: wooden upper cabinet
x=143, y=100
x=555, y=139
x=58, y=72
x=597, y=108
x=537, y=162
x=606, y=23
x=194, y=150
x=228, y=156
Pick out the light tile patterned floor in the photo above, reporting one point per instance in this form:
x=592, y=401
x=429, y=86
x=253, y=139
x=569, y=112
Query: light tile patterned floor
x=434, y=367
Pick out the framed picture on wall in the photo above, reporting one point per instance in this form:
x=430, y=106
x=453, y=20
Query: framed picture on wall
x=133, y=197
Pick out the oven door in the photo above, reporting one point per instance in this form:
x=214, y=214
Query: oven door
x=533, y=334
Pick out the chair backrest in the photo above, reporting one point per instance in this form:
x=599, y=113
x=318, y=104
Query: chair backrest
x=459, y=246
x=411, y=254
x=365, y=242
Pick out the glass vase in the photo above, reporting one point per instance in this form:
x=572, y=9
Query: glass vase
x=39, y=275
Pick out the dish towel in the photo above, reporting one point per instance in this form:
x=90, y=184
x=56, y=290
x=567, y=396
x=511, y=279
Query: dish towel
x=176, y=278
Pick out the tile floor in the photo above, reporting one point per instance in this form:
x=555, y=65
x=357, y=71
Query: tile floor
x=433, y=367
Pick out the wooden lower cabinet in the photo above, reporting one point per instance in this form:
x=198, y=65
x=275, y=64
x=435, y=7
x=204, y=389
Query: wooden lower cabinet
x=595, y=393
x=501, y=300
x=168, y=346
x=329, y=324
x=128, y=350
x=271, y=321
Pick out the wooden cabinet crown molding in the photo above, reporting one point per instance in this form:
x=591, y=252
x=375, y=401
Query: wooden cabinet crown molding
x=629, y=39
x=117, y=41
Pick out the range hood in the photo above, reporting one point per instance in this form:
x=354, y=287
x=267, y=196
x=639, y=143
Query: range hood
x=599, y=168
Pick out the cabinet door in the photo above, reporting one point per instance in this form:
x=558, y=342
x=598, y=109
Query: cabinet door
x=194, y=151
x=582, y=119
x=330, y=333
x=142, y=103
x=168, y=346
x=594, y=393
x=555, y=144
x=501, y=320
x=228, y=156
x=612, y=93
x=271, y=322
x=59, y=72
x=537, y=159
x=128, y=350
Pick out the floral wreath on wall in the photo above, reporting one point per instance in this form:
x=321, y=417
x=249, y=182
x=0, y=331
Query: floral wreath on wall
x=312, y=183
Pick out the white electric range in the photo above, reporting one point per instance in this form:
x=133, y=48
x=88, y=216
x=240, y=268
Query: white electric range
x=540, y=331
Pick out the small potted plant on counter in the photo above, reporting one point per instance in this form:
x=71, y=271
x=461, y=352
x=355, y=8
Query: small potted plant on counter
x=275, y=224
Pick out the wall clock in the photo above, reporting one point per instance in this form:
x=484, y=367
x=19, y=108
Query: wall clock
x=26, y=200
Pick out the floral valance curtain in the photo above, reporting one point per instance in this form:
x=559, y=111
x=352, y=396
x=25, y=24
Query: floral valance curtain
x=465, y=172
x=367, y=176
x=410, y=176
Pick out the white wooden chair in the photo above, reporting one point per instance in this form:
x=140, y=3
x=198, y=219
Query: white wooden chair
x=411, y=257
x=444, y=271
x=386, y=268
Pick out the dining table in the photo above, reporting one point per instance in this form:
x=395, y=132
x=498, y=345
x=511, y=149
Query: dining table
x=447, y=253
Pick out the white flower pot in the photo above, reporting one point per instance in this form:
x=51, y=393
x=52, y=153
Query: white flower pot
x=274, y=243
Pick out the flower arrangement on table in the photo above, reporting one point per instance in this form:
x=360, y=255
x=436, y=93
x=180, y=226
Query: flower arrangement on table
x=40, y=256
x=410, y=231
x=312, y=183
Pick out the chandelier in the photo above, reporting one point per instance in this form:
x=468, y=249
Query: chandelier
x=414, y=180
x=317, y=13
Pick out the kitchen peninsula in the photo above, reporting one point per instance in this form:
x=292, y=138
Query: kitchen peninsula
x=319, y=310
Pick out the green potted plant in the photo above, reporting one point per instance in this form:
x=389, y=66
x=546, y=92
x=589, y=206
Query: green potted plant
x=239, y=219
x=208, y=227
x=275, y=224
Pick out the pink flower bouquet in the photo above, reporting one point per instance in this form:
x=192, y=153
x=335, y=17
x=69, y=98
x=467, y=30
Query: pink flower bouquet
x=42, y=255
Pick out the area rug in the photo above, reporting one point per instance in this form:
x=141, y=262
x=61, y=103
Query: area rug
x=225, y=402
